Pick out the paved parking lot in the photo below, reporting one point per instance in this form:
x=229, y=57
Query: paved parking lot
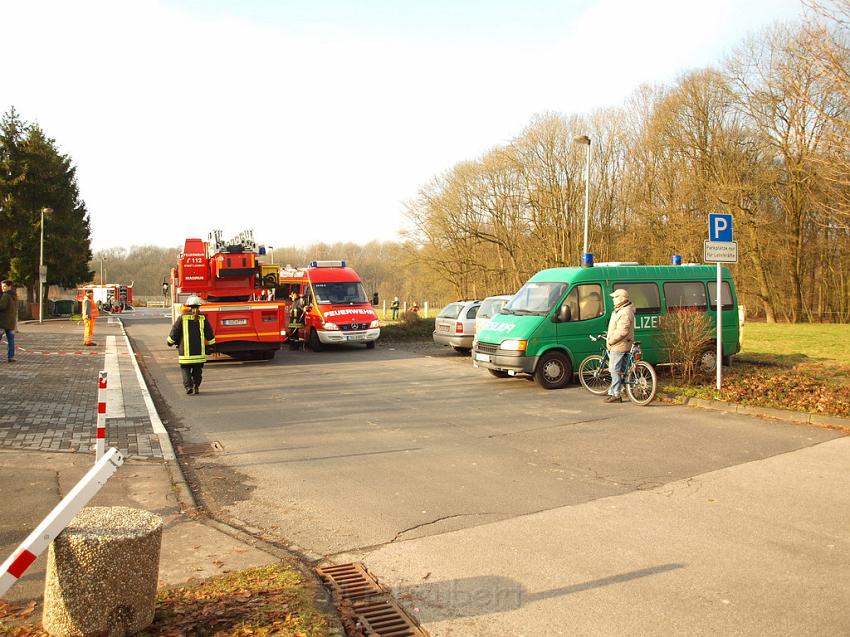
x=450, y=484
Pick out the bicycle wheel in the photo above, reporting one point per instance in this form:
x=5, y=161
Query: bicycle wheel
x=594, y=375
x=641, y=383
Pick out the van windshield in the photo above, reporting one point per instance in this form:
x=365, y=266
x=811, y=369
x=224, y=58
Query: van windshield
x=491, y=307
x=350, y=292
x=535, y=298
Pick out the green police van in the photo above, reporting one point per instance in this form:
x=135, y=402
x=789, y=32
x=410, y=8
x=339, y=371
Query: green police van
x=543, y=331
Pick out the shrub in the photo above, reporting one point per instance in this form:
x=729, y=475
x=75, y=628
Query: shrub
x=684, y=334
x=409, y=319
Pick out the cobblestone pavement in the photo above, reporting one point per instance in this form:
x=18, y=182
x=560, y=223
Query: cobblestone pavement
x=48, y=398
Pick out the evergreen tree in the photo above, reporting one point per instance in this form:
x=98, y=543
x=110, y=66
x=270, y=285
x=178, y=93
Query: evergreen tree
x=35, y=175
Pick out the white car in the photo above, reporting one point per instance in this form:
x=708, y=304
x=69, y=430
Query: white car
x=489, y=308
x=455, y=325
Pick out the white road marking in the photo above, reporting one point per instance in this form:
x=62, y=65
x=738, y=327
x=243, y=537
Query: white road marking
x=114, y=389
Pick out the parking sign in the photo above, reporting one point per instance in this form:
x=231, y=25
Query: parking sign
x=719, y=227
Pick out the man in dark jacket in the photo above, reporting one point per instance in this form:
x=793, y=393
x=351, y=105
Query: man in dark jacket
x=191, y=333
x=9, y=316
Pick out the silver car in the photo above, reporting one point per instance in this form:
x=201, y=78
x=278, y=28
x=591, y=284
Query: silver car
x=489, y=308
x=455, y=325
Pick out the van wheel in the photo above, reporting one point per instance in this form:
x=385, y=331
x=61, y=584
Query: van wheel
x=707, y=360
x=499, y=373
x=314, y=342
x=370, y=345
x=554, y=370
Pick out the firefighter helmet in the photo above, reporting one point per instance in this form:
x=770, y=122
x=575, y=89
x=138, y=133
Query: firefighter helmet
x=193, y=301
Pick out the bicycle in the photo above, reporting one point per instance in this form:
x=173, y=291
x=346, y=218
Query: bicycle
x=640, y=379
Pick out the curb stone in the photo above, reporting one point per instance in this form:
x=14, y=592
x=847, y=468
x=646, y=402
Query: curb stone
x=820, y=420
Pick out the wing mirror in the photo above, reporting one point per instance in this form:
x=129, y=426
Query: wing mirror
x=564, y=315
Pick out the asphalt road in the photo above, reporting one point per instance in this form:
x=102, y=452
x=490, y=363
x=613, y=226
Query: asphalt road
x=375, y=454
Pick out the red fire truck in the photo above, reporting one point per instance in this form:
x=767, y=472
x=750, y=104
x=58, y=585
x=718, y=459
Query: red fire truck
x=336, y=308
x=110, y=297
x=238, y=292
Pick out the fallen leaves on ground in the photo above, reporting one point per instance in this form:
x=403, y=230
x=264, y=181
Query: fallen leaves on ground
x=264, y=601
x=806, y=387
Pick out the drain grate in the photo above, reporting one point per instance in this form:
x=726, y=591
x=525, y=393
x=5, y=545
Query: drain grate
x=350, y=581
x=199, y=448
x=384, y=618
x=376, y=614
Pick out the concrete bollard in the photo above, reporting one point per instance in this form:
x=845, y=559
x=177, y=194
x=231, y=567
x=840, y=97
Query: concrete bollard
x=102, y=573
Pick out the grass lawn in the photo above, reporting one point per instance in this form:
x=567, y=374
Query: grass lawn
x=796, y=343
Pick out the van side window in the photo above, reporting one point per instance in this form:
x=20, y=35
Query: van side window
x=681, y=295
x=726, y=293
x=572, y=302
x=590, y=301
x=644, y=296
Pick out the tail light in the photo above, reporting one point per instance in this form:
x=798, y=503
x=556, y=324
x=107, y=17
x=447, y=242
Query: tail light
x=459, y=328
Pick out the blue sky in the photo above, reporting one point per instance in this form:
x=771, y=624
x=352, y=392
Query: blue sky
x=315, y=121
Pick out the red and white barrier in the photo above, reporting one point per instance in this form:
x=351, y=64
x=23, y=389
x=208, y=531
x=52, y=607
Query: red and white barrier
x=101, y=416
x=56, y=521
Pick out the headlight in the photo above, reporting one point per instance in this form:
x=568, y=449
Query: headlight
x=375, y=323
x=514, y=345
x=330, y=326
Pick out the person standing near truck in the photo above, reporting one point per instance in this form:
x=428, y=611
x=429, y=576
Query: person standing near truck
x=394, y=307
x=621, y=335
x=90, y=314
x=191, y=333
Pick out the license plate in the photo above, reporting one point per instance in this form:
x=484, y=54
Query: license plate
x=355, y=337
x=482, y=357
x=443, y=328
x=235, y=322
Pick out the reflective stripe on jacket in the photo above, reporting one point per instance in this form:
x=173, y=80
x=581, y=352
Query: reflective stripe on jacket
x=191, y=335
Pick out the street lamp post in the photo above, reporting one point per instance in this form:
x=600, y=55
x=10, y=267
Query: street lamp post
x=271, y=248
x=101, y=270
x=585, y=140
x=42, y=273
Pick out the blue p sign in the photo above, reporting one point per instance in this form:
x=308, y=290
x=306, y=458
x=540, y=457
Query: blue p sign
x=719, y=227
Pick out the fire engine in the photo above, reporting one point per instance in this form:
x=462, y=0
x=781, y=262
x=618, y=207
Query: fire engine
x=109, y=297
x=238, y=292
x=336, y=309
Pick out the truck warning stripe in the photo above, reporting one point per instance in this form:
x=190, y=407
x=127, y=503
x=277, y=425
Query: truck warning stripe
x=240, y=308
x=222, y=338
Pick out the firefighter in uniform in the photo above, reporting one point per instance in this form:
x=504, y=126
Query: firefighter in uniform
x=296, y=315
x=90, y=314
x=191, y=333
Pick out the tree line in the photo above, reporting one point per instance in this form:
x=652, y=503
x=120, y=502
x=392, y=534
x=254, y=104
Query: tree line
x=765, y=137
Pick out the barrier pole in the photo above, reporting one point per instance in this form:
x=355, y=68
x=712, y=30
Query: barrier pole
x=19, y=561
x=101, y=415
